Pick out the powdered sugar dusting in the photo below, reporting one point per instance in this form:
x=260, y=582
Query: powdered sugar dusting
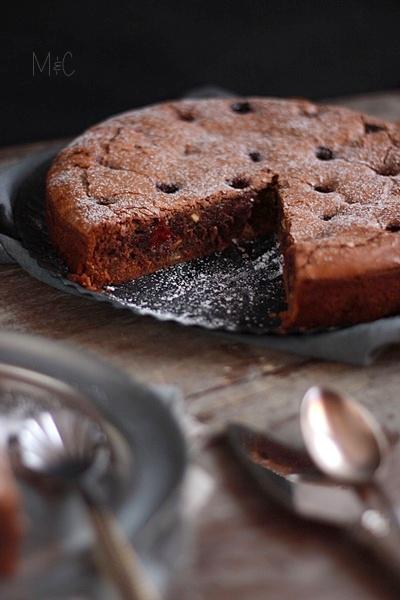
x=239, y=289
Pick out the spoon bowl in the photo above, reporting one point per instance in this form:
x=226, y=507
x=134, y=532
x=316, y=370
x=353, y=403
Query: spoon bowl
x=342, y=437
x=62, y=445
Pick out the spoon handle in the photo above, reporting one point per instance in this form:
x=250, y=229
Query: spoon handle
x=119, y=557
x=379, y=529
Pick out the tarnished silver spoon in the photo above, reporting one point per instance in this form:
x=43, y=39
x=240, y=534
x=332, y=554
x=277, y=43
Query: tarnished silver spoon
x=67, y=448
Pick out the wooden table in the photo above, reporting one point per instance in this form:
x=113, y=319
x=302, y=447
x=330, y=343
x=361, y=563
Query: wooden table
x=245, y=548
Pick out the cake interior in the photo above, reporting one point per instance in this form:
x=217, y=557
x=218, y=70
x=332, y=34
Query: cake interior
x=141, y=248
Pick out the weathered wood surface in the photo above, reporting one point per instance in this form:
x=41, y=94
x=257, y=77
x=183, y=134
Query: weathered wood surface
x=245, y=547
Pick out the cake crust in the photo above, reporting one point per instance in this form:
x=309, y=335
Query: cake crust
x=178, y=180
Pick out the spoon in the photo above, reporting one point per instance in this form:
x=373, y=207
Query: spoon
x=348, y=445
x=342, y=437
x=288, y=476
x=71, y=450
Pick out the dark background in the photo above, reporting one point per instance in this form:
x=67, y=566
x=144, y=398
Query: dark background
x=129, y=53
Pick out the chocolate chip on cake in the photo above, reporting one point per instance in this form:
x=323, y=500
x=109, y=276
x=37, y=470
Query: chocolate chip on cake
x=373, y=128
x=324, y=153
x=241, y=107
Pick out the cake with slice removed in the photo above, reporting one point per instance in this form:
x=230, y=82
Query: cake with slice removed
x=175, y=181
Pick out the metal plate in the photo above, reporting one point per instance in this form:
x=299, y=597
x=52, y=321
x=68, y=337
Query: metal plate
x=240, y=289
x=246, y=303
x=143, y=483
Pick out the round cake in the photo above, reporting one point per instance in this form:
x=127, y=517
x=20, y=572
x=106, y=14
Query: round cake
x=178, y=180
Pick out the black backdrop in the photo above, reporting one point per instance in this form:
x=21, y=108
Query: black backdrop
x=129, y=53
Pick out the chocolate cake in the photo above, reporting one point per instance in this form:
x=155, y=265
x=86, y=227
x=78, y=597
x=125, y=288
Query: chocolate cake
x=179, y=180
